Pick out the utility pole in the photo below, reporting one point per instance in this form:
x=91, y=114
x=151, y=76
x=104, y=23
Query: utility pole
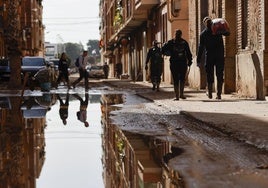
x=13, y=42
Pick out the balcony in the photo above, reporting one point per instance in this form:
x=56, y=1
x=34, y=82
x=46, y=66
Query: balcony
x=137, y=18
x=145, y=4
x=142, y=7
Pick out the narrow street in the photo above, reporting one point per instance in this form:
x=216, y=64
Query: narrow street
x=134, y=94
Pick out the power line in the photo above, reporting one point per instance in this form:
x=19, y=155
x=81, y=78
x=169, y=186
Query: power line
x=65, y=18
x=71, y=23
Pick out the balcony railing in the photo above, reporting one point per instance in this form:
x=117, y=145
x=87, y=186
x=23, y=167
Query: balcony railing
x=145, y=4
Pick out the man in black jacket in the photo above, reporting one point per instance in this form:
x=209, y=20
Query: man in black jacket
x=180, y=58
x=156, y=63
x=214, y=53
x=63, y=111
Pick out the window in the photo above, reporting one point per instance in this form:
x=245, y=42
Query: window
x=164, y=27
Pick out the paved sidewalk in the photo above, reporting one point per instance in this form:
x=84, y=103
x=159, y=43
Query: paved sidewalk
x=240, y=118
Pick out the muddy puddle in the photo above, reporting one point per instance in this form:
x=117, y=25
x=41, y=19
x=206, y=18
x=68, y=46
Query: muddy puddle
x=68, y=140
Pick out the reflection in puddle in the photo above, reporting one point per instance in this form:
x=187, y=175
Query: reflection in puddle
x=39, y=149
x=67, y=140
x=22, y=143
x=73, y=149
x=135, y=160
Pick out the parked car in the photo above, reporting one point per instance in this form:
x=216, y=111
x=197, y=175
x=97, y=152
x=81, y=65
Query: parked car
x=28, y=64
x=4, y=69
x=96, y=71
x=32, y=64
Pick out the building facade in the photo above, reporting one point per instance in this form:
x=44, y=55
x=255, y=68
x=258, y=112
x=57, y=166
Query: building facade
x=29, y=25
x=128, y=28
x=22, y=144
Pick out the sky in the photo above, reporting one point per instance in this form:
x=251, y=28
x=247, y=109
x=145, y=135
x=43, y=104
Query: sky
x=71, y=21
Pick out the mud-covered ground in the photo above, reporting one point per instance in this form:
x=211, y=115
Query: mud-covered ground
x=209, y=157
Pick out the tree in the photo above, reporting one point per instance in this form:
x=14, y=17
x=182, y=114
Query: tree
x=93, y=47
x=94, y=51
x=73, y=50
x=12, y=39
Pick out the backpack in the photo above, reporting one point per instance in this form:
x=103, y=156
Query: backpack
x=77, y=62
x=158, y=59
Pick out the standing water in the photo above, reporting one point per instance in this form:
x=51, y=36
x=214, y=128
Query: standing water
x=73, y=148
x=51, y=140
x=67, y=140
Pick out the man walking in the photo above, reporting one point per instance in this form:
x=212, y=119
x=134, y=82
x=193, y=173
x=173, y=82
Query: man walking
x=63, y=111
x=83, y=60
x=155, y=57
x=106, y=69
x=214, y=57
x=63, y=69
x=119, y=69
x=82, y=113
x=180, y=58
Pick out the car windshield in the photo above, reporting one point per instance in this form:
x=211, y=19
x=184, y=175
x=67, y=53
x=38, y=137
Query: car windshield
x=33, y=61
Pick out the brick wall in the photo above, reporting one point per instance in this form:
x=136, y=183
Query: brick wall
x=265, y=62
x=250, y=58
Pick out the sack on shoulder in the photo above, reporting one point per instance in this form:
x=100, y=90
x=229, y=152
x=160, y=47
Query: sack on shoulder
x=220, y=27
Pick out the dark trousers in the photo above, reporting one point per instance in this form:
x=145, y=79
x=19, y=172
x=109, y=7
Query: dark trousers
x=65, y=75
x=211, y=64
x=155, y=73
x=178, y=71
x=82, y=74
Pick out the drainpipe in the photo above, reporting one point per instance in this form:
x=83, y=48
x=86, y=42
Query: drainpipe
x=129, y=61
x=144, y=56
x=135, y=61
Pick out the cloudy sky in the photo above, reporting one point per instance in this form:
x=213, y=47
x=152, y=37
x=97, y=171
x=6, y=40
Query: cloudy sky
x=71, y=21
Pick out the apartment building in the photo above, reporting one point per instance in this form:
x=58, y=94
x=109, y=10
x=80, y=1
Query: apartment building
x=29, y=26
x=128, y=28
x=22, y=143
